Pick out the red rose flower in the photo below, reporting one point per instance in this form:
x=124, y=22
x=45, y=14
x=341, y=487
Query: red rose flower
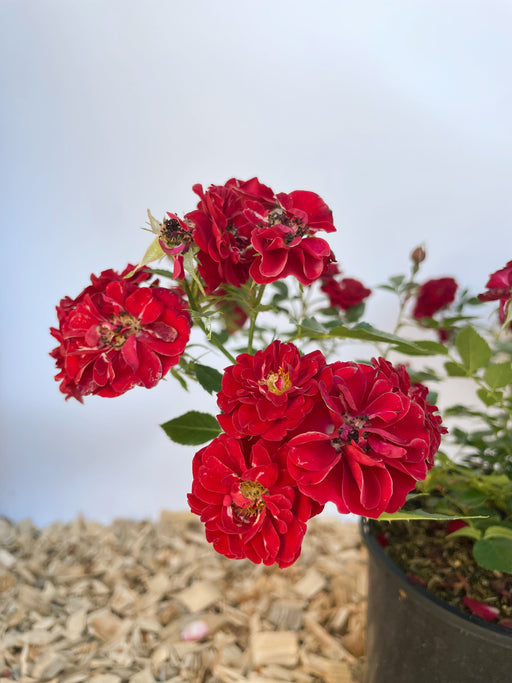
x=250, y=506
x=499, y=287
x=284, y=239
x=345, y=293
x=433, y=296
x=116, y=335
x=370, y=443
x=268, y=394
x=222, y=230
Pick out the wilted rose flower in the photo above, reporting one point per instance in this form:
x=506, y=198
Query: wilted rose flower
x=116, y=335
x=222, y=230
x=499, y=287
x=434, y=295
x=269, y=393
x=249, y=504
x=369, y=445
x=284, y=239
x=175, y=238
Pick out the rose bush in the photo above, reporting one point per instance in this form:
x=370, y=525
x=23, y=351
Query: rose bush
x=298, y=427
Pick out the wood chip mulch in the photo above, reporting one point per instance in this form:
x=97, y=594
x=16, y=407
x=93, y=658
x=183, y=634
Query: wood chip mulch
x=141, y=602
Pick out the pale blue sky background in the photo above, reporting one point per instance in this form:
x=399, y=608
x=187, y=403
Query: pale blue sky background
x=396, y=113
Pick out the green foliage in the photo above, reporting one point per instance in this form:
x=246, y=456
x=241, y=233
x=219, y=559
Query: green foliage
x=209, y=378
x=192, y=428
x=494, y=553
x=474, y=351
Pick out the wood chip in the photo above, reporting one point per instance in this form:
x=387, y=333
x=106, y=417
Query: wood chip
x=199, y=596
x=274, y=647
x=137, y=602
x=310, y=584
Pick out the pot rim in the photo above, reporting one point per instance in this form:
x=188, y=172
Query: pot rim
x=430, y=601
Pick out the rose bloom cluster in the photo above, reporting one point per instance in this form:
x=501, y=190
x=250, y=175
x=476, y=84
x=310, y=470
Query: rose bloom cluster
x=121, y=332
x=300, y=432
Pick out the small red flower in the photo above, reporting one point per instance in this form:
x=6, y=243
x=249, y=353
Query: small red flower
x=433, y=296
x=116, y=335
x=344, y=293
x=250, y=506
x=269, y=393
x=499, y=288
x=369, y=445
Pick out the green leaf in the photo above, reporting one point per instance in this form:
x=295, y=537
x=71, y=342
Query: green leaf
x=365, y=332
x=189, y=265
x=473, y=349
x=313, y=325
x=489, y=397
x=495, y=531
x=209, y=378
x=466, y=532
x=355, y=312
x=455, y=369
x=282, y=291
x=180, y=379
x=192, y=428
x=407, y=515
x=162, y=272
x=494, y=553
x=472, y=497
x=498, y=375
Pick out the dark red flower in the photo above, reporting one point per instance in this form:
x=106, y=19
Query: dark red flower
x=371, y=442
x=116, y=335
x=284, y=239
x=249, y=504
x=269, y=393
x=222, y=230
x=344, y=293
x=434, y=295
x=499, y=288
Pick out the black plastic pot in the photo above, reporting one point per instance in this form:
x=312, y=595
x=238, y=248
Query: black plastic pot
x=414, y=637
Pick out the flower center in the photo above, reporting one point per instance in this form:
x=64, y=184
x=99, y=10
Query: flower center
x=116, y=332
x=278, y=382
x=247, y=500
x=173, y=233
x=349, y=432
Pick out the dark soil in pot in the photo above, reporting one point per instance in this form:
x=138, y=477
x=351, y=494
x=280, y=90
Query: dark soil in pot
x=413, y=635
x=446, y=567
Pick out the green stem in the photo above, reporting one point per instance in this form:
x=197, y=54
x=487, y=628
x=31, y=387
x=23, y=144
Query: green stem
x=192, y=300
x=254, y=315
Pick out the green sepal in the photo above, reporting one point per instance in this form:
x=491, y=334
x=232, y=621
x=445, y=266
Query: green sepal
x=153, y=253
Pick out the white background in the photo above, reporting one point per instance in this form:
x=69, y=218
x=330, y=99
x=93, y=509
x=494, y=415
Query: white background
x=397, y=113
